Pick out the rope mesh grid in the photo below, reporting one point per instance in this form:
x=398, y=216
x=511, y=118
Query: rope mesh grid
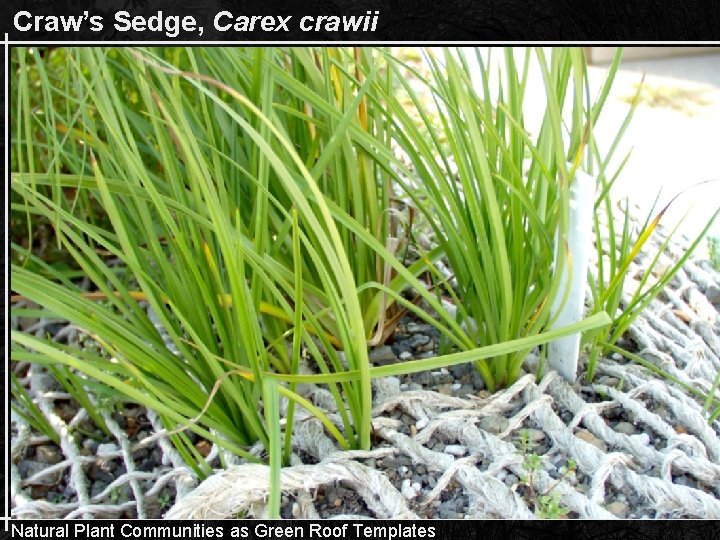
x=669, y=465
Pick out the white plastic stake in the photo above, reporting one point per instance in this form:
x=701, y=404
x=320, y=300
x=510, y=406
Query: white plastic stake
x=563, y=353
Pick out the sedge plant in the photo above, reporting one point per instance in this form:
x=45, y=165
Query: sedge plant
x=495, y=196
x=187, y=235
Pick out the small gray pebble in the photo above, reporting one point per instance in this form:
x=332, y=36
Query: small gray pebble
x=406, y=355
x=419, y=340
x=713, y=294
x=28, y=468
x=97, y=488
x=66, y=411
x=25, y=466
x=415, y=328
x=48, y=454
x=534, y=435
x=148, y=465
x=589, y=438
x=455, y=450
x=90, y=445
x=159, y=456
x=383, y=356
x=493, y=424
x=462, y=370
x=618, y=508
x=106, y=449
x=390, y=463
x=625, y=427
x=140, y=454
x=464, y=390
x=97, y=474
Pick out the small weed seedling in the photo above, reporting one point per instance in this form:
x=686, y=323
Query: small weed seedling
x=115, y=495
x=549, y=507
x=164, y=499
x=59, y=499
x=547, y=504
